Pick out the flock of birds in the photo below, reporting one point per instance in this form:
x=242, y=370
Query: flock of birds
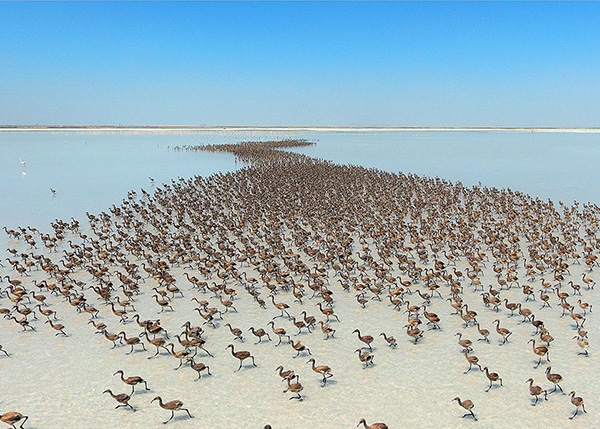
x=287, y=230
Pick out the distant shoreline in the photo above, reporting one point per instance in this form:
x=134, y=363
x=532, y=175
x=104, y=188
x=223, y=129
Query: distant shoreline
x=193, y=129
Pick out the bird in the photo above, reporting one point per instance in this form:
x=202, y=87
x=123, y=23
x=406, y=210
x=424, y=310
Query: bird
x=12, y=418
x=241, y=355
x=468, y=405
x=505, y=333
x=58, y=327
x=280, y=332
x=294, y=388
x=156, y=342
x=171, y=406
x=367, y=339
x=465, y=344
x=492, y=376
x=132, y=341
x=327, y=312
x=285, y=374
x=390, y=340
x=237, y=332
x=484, y=334
x=324, y=370
x=473, y=360
x=132, y=381
x=365, y=357
x=299, y=347
x=373, y=426
x=181, y=354
x=536, y=391
x=541, y=351
x=578, y=402
x=123, y=398
x=554, y=378
x=259, y=333
x=198, y=367
x=583, y=345
x=327, y=330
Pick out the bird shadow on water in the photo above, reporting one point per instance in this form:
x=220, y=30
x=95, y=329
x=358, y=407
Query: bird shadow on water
x=181, y=417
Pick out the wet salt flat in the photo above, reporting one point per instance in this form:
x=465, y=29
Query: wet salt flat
x=59, y=381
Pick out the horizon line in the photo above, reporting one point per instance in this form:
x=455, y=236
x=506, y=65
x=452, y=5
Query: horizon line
x=121, y=127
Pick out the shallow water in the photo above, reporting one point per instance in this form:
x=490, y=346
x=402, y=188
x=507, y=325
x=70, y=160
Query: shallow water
x=410, y=385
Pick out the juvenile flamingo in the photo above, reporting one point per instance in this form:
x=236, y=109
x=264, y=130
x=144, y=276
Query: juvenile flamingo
x=468, y=405
x=12, y=418
x=373, y=426
x=172, y=406
x=578, y=402
x=241, y=355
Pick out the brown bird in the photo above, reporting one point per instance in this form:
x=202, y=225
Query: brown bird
x=259, y=333
x=373, y=426
x=468, y=405
x=492, y=376
x=554, y=378
x=366, y=358
x=390, y=340
x=367, y=339
x=122, y=398
x=132, y=381
x=324, y=370
x=294, y=388
x=299, y=347
x=172, y=406
x=536, y=391
x=237, y=332
x=541, y=351
x=473, y=360
x=12, y=418
x=58, y=327
x=198, y=367
x=578, y=402
x=241, y=355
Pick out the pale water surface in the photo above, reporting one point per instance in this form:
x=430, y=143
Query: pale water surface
x=58, y=381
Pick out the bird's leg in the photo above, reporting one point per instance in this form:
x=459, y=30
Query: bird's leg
x=240, y=367
x=188, y=413
x=576, y=411
x=172, y=414
x=253, y=360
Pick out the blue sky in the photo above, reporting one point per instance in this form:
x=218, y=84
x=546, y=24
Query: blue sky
x=288, y=63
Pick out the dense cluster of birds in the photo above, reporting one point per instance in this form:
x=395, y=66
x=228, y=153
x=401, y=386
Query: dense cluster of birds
x=288, y=228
